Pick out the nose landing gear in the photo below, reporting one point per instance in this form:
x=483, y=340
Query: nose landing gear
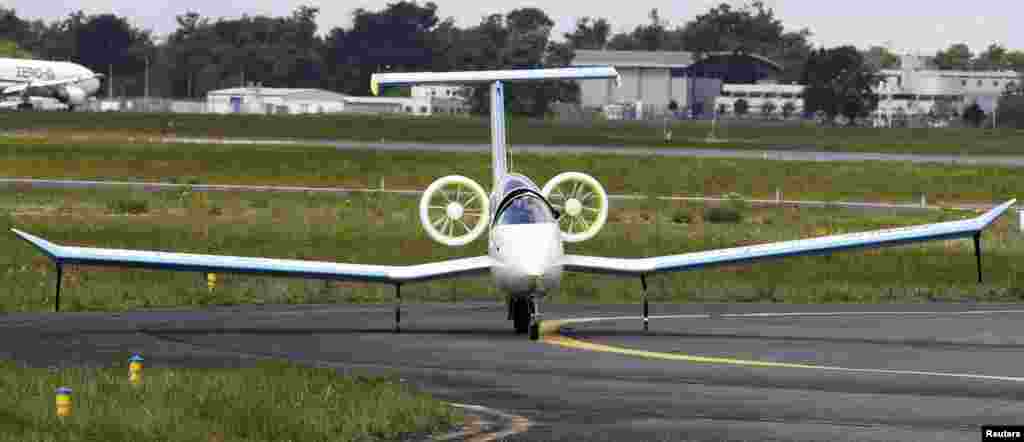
x=525, y=315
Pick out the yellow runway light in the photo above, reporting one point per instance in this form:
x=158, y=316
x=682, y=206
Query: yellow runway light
x=63, y=401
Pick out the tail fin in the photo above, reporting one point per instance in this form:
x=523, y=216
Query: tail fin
x=499, y=152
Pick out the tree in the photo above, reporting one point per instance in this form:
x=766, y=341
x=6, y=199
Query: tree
x=956, y=57
x=768, y=107
x=741, y=107
x=589, y=35
x=879, y=58
x=751, y=29
x=838, y=82
x=10, y=49
x=994, y=58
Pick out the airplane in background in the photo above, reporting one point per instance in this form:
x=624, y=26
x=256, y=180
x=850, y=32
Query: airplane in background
x=70, y=83
x=526, y=224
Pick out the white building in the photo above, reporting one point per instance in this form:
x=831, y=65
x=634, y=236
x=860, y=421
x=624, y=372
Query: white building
x=266, y=100
x=914, y=90
x=654, y=79
x=444, y=99
x=438, y=91
x=757, y=94
x=647, y=78
x=414, y=106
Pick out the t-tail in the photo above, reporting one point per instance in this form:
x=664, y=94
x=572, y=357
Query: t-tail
x=499, y=146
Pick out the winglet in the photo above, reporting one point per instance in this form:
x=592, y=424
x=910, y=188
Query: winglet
x=49, y=248
x=374, y=85
x=987, y=218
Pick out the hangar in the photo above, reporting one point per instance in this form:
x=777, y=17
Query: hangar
x=268, y=100
x=654, y=79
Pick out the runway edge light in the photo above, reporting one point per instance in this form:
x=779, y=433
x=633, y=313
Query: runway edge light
x=135, y=369
x=63, y=401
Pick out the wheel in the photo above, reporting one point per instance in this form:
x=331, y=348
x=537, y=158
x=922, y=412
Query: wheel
x=24, y=106
x=521, y=312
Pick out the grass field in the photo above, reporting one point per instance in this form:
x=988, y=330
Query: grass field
x=272, y=401
x=323, y=166
x=440, y=129
x=384, y=229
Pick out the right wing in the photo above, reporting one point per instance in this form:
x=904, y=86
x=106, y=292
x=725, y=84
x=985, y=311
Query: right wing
x=262, y=266
x=811, y=246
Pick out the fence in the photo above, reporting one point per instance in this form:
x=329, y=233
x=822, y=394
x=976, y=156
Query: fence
x=138, y=104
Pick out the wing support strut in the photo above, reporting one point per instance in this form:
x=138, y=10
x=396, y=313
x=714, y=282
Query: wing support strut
x=398, y=308
x=60, y=274
x=977, y=253
x=643, y=282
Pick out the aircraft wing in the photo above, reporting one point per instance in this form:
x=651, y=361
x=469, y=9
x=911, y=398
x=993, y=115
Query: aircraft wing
x=262, y=266
x=811, y=246
x=21, y=87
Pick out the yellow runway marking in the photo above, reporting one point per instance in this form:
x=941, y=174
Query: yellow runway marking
x=553, y=337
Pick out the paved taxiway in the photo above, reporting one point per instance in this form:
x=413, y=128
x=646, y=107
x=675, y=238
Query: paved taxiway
x=880, y=372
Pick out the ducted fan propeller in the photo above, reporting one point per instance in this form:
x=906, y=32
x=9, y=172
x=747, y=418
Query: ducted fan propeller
x=454, y=210
x=582, y=202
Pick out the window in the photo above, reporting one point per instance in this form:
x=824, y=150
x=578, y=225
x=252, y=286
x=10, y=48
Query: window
x=726, y=94
x=755, y=95
x=739, y=94
x=770, y=95
x=799, y=95
x=525, y=209
x=995, y=82
x=963, y=82
x=786, y=95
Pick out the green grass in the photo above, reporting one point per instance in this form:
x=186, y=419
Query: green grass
x=442, y=129
x=324, y=166
x=273, y=401
x=384, y=229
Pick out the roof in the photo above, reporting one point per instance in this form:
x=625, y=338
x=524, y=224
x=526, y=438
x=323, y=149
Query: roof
x=265, y=91
x=652, y=59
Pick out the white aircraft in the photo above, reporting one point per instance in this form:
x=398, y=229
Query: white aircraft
x=527, y=224
x=70, y=83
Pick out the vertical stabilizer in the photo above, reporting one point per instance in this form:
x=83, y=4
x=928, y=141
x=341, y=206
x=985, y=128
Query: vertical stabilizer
x=498, y=147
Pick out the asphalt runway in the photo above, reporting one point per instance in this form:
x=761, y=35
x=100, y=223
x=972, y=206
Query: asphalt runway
x=702, y=372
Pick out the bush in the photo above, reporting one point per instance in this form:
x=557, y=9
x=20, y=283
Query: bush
x=723, y=215
x=681, y=217
x=122, y=206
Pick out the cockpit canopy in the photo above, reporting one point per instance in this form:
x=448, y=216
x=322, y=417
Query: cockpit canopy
x=525, y=208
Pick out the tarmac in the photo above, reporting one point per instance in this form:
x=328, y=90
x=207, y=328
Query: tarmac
x=702, y=372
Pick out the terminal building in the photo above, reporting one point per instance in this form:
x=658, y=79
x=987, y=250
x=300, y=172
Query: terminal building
x=712, y=84
x=652, y=80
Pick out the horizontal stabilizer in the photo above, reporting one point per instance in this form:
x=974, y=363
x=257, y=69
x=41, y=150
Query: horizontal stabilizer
x=474, y=77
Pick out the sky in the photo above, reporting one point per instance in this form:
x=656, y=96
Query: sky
x=907, y=26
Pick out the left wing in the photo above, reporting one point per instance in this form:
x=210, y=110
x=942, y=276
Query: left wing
x=812, y=246
x=264, y=266
x=22, y=87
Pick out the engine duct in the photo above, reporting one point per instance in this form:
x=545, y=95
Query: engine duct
x=454, y=210
x=73, y=95
x=582, y=202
